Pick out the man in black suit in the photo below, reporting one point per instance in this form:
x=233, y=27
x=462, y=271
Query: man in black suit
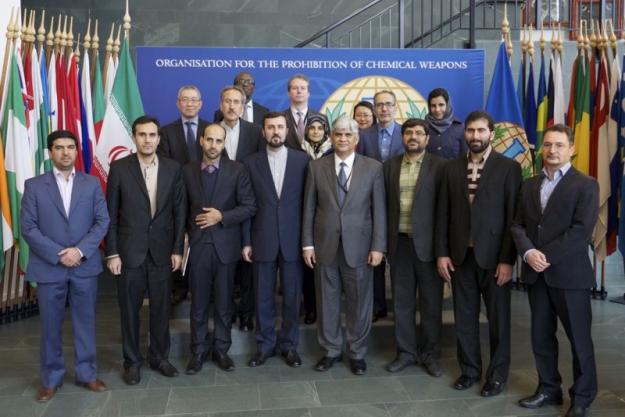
x=252, y=111
x=146, y=202
x=298, y=112
x=272, y=241
x=475, y=252
x=220, y=199
x=411, y=183
x=242, y=139
x=552, y=230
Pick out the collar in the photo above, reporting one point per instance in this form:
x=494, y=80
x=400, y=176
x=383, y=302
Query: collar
x=390, y=129
x=304, y=111
x=559, y=173
x=349, y=161
x=228, y=128
x=194, y=121
x=407, y=161
x=151, y=164
x=215, y=163
x=58, y=173
x=274, y=154
x=484, y=157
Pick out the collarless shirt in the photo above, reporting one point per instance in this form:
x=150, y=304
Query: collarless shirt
x=548, y=185
x=150, y=176
x=474, y=171
x=349, y=163
x=408, y=177
x=277, y=166
x=232, y=138
x=65, y=187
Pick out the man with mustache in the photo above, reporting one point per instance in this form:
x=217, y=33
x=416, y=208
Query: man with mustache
x=475, y=251
x=272, y=240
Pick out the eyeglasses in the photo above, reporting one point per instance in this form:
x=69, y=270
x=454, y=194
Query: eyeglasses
x=419, y=134
x=385, y=104
x=246, y=82
x=191, y=100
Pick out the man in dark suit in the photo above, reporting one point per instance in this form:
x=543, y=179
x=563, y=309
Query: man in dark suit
x=411, y=183
x=298, y=89
x=475, y=252
x=252, y=111
x=180, y=139
x=63, y=219
x=343, y=237
x=273, y=240
x=180, y=142
x=381, y=142
x=552, y=230
x=242, y=139
x=220, y=198
x=144, y=245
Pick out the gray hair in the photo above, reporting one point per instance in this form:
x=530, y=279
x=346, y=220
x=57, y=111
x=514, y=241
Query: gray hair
x=189, y=87
x=345, y=123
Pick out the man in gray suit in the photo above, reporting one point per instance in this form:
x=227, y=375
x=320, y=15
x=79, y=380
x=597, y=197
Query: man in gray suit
x=343, y=238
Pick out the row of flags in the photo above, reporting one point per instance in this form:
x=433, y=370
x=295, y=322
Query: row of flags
x=43, y=94
x=595, y=112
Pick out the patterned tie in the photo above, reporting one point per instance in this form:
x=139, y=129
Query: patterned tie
x=341, y=187
x=190, y=136
x=385, y=144
x=300, y=126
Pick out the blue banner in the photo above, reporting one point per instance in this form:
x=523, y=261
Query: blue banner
x=339, y=78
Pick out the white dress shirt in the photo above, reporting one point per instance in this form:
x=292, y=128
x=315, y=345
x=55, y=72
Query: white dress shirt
x=248, y=111
x=65, y=187
x=294, y=112
x=232, y=139
x=277, y=165
x=349, y=163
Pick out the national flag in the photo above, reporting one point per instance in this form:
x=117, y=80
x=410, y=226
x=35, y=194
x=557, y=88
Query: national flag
x=38, y=131
x=555, y=91
x=99, y=104
x=570, y=111
x=111, y=70
x=530, y=108
x=521, y=84
x=581, y=159
x=43, y=158
x=52, y=93
x=72, y=114
x=502, y=104
x=86, y=113
x=541, y=114
x=613, y=152
x=18, y=159
x=621, y=146
x=6, y=229
x=124, y=107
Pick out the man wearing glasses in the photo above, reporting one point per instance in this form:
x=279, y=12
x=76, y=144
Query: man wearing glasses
x=381, y=142
x=252, y=111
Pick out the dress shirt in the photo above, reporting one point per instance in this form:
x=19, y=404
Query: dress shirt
x=248, y=111
x=150, y=175
x=194, y=124
x=294, y=112
x=232, y=138
x=385, y=137
x=65, y=187
x=214, y=163
x=474, y=171
x=548, y=185
x=408, y=177
x=277, y=165
x=349, y=163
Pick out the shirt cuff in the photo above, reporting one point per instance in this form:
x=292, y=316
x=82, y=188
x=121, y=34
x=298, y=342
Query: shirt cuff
x=112, y=256
x=527, y=253
x=308, y=248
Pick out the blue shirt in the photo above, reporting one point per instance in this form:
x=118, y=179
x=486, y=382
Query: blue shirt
x=385, y=135
x=547, y=186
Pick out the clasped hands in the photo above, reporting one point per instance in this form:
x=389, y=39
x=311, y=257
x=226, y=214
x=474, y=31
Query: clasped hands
x=70, y=257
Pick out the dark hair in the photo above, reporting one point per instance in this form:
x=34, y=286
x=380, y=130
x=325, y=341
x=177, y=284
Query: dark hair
x=438, y=92
x=480, y=115
x=60, y=134
x=367, y=105
x=273, y=115
x=415, y=122
x=319, y=118
x=561, y=128
x=144, y=120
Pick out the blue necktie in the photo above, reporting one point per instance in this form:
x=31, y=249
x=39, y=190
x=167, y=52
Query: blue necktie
x=190, y=136
x=341, y=188
x=385, y=144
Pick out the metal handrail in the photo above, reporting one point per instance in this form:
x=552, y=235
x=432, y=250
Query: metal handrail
x=329, y=28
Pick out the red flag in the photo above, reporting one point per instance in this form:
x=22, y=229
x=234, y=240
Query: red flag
x=72, y=107
x=600, y=113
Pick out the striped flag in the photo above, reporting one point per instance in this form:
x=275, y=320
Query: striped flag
x=99, y=104
x=614, y=154
x=541, y=114
x=530, y=108
x=43, y=158
x=86, y=113
x=581, y=159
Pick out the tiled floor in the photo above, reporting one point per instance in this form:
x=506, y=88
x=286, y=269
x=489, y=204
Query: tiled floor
x=275, y=390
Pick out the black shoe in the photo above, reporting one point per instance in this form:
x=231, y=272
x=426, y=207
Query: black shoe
x=223, y=361
x=492, y=388
x=380, y=314
x=132, y=375
x=195, y=363
x=326, y=363
x=433, y=367
x=540, y=399
x=358, y=366
x=464, y=382
x=577, y=411
x=310, y=318
x=260, y=358
x=165, y=368
x=247, y=324
x=399, y=364
x=292, y=358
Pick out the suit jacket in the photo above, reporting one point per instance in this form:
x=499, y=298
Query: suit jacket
x=233, y=197
x=258, y=110
x=173, y=144
x=277, y=223
x=360, y=223
x=369, y=144
x=133, y=232
x=562, y=232
x=251, y=140
x=292, y=141
x=48, y=230
x=487, y=221
x=423, y=212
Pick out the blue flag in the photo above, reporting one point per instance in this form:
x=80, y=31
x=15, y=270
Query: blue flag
x=502, y=103
x=530, y=108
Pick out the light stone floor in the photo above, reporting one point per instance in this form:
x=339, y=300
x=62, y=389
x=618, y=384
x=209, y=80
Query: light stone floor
x=275, y=390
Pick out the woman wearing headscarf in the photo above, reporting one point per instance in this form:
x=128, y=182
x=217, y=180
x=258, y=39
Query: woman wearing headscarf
x=446, y=132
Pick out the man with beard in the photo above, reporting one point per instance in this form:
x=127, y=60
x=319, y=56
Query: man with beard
x=220, y=200
x=475, y=252
x=252, y=111
x=272, y=241
x=411, y=182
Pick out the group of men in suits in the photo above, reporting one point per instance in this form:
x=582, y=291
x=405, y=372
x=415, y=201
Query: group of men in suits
x=245, y=193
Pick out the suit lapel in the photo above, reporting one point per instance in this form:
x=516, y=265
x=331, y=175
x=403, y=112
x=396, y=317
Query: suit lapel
x=425, y=166
x=331, y=176
x=265, y=171
x=76, y=192
x=488, y=171
x=559, y=189
x=462, y=176
x=163, y=178
x=354, y=183
x=242, y=141
x=395, y=174
x=135, y=171
x=55, y=194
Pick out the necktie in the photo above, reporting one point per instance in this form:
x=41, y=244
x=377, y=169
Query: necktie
x=385, y=144
x=341, y=188
x=211, y=168
x=190, y=138
x=300, y=126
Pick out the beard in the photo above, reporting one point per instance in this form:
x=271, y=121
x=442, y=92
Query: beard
x=478, y=146
x=276, y=144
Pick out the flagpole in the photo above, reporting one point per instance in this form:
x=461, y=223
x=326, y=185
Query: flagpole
x=49, y=42
x=8, y=47
x=95, y=43
x=41, y=33
x=107, y=55
x=116, y=44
